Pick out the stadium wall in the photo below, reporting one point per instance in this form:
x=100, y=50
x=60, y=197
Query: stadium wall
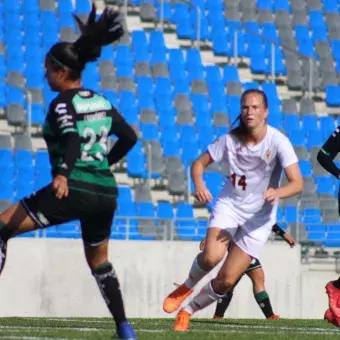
x=49, y=277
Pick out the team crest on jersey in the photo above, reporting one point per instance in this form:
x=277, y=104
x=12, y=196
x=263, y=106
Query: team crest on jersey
x=239, y=149
x=268, y=154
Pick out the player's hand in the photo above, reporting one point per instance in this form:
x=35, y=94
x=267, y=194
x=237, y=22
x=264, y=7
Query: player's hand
x=289, y=239
x=60, y=186
x=202, y=245
x=202, y=194
x=271, y=195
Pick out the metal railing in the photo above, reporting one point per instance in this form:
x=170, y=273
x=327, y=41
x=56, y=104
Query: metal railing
x=273, y=44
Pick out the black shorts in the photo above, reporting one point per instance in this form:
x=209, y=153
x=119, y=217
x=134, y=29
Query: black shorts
x=254, y=264
x=95, y=212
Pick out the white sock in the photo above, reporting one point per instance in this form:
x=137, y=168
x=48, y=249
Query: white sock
x=195, y=275
x=204, y=298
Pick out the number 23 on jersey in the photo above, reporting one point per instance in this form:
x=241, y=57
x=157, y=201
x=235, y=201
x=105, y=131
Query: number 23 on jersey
x=240, y=181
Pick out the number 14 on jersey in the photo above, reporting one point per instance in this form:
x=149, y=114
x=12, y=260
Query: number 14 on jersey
x=241, y=181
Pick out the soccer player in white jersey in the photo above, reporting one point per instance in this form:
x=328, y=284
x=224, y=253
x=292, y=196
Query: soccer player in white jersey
x=245, y=209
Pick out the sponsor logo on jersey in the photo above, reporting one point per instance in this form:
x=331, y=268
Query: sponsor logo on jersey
x=93, y=104
x=84, y=93
x=60, y=109
x=95, y=116
x=239, y=149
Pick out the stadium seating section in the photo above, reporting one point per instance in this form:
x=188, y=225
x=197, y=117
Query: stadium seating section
x=177, y=104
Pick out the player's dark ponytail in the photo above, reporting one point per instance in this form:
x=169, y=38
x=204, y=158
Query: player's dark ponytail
x=87, y=48
x=240, y=130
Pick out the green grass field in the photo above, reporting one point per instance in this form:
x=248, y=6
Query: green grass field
x=102, y=328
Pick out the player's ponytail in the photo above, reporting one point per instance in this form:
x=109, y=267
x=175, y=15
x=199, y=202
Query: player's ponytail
x=87, y=48
x=240, y=131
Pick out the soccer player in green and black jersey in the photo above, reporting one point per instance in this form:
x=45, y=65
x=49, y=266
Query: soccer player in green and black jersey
x=326, y=159
x=76, y=132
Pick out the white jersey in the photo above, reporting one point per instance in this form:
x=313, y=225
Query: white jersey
x=252, y=169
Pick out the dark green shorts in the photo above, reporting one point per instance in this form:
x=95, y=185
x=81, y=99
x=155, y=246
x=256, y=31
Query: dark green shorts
x=95, y=212
x=254, y=264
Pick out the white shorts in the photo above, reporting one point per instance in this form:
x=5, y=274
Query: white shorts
x=249, y=231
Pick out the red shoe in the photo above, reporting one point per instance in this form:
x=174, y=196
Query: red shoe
x=333, y=297
x=274, y=317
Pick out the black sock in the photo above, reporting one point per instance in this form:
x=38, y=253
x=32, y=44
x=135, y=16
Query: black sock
x=223, y=304
x=109, y=287
x=336, y=283
x=263, y=301
x=5, y=233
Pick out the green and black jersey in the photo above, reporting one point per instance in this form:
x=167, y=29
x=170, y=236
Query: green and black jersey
x=329, y=151
x=92, y=119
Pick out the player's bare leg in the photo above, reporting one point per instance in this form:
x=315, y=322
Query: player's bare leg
x=105, y=275
x=215, y=248
x=260, y=294
x=13, y=221
x=232, y=269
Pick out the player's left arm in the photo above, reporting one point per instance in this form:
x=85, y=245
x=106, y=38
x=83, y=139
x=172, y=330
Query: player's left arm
x=289, y=162
x=127, y=137
x=64, y=122
x=287, y=237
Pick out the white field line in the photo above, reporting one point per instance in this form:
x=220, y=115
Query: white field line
x=222, y=328
x=225, y=325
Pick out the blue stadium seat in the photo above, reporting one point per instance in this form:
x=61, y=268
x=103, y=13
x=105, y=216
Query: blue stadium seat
x=317, y=236
x=82, y=6
x=264, y=4
x=149, y=131
x=316, y=20
x=185, y=228
x=290, y=213
x=332, y=95
x=291, y=123
x=213, y=181
x=305, y=168
x=257, y=61
x=171, y=148
x=167, y=10
x=324, y=185
x=314, y=139
x=164, y=210
x=230, y=73
x=309, y=123
x=190, y=151
x=281, y=5
x=37, y=114
x=330, y=6
x=136, y=165
x=187, y=133
x=311, y=215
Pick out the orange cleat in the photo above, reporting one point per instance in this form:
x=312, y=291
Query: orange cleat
x=218, y=317
x=173, y=301
x=182, y=321
x=333, y=297
x=274, y=317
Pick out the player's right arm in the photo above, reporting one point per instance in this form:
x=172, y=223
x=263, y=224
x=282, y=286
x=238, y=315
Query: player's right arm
x=127, y=137
x=215, y=153
x=329, y=151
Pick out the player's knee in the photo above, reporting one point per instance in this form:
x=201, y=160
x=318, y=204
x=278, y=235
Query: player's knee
x=102, y=269
x=223, y=284
x=208, y=260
